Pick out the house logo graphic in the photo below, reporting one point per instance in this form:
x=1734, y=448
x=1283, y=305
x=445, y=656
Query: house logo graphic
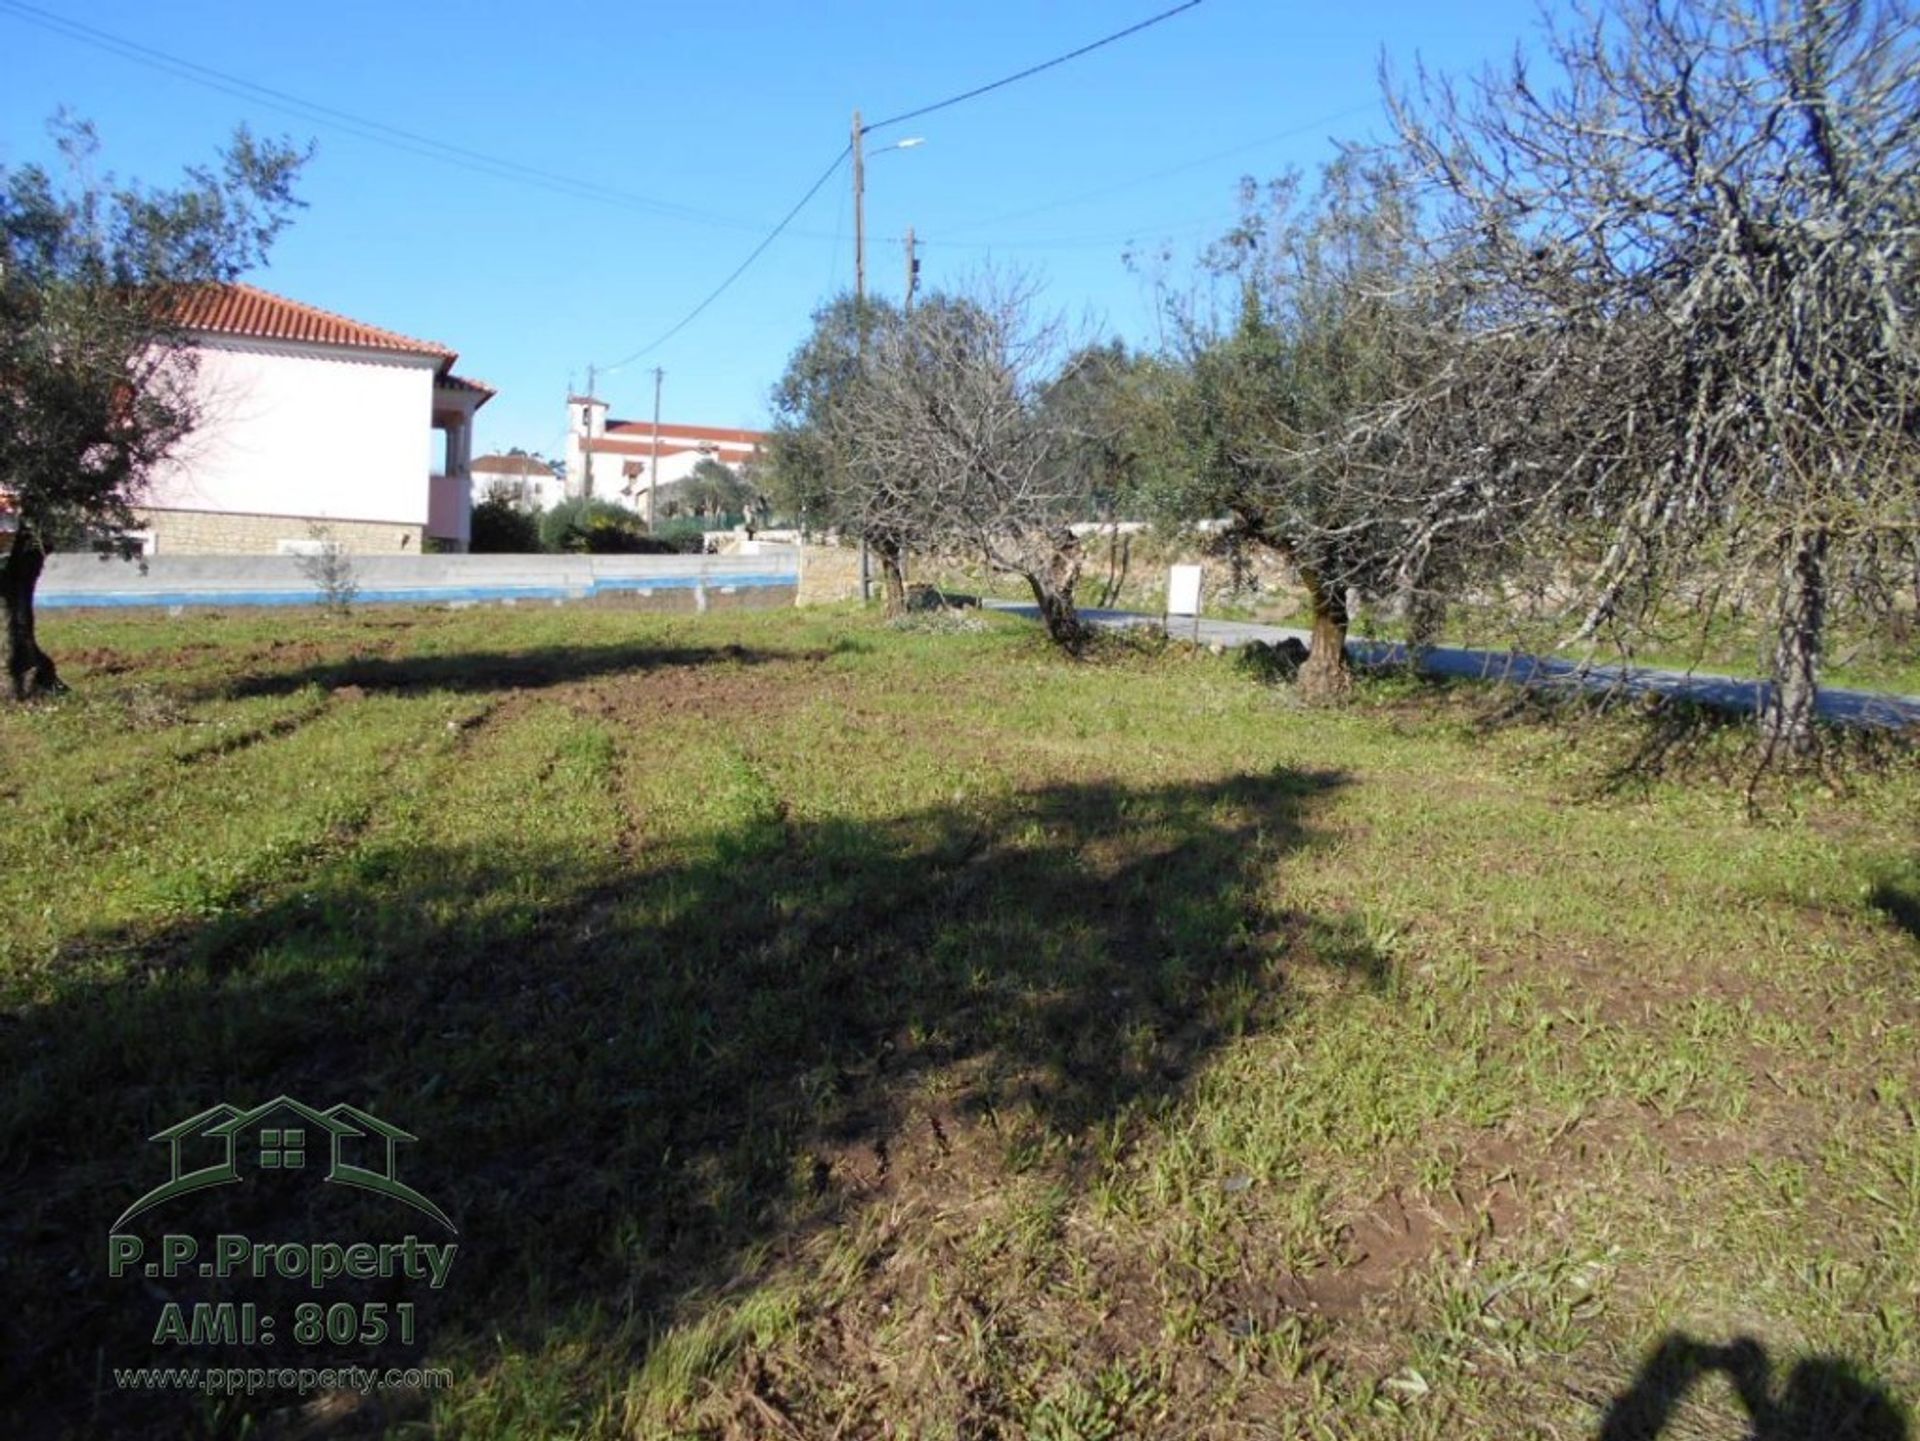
x=283, y=1135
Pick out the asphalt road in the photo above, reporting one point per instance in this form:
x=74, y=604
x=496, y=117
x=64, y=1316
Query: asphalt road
x=1724, y=692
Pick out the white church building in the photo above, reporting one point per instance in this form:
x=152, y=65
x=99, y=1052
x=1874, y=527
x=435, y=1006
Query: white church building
x=615, y=459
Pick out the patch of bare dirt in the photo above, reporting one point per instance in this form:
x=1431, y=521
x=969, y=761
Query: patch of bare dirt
x=98, y=661
x=717, y=692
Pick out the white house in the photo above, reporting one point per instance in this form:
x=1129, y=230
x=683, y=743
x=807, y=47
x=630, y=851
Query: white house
x=614, y=459
x=314, y=426
x=527, y=480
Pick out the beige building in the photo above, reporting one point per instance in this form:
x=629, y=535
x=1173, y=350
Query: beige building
x=614, y=459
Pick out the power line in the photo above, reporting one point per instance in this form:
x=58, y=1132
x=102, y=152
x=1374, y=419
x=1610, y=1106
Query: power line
x=364, y=127
x=739, y=270
x=1143, y=233
x=1182, y=168
x=827, y=174
x=501, y=168
x=1030, y=71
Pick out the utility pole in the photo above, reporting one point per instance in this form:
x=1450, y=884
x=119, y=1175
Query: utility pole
x=859, y=213
x=653, y=474
x=586, y=441
x=860, y=304
x=913, y=270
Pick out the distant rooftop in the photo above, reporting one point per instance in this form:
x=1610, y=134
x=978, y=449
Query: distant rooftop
x=527, y=465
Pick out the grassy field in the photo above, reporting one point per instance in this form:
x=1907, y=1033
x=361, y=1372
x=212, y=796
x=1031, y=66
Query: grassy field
x=817, y=1029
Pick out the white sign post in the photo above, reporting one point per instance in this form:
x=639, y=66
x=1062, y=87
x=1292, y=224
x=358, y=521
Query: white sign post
x=1183, y=597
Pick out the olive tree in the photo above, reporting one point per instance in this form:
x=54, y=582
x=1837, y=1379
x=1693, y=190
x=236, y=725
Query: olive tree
x=96, y=373
x=1268, y=426
x=811, y=469
x=950, y=422
x=1684, y=265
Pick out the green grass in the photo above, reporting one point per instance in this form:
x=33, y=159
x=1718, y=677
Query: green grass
x=817, y=1028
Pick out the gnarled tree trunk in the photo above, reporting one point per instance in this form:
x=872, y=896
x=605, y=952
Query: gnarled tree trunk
x=893, y=576
x=1327, y=675
x=1119, y=554
x=1053, y=585
x=29, y=668
x=1788, y=722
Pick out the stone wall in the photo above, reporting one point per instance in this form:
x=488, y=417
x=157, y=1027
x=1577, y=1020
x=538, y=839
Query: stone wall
x=206, y=532
x=829, y=573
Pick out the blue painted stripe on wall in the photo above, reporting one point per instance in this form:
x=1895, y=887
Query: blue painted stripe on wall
x=413, y=595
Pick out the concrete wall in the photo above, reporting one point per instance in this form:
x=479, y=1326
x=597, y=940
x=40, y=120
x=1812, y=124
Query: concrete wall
x=299, y=432
x=74, y=580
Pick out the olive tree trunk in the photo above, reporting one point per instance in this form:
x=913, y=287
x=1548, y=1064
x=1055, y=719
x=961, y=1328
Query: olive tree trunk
x=893, y=577
x=1327, y=674
x=30, y=669
x=1053, y=584
x=1788, y=721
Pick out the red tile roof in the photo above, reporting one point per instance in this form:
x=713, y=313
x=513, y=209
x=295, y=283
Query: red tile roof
x=525, y=465
x=256, y=314
x=246, y=310
x=696, y=432
x=623, y=446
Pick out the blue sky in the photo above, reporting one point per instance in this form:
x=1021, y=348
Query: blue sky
x=725, y=113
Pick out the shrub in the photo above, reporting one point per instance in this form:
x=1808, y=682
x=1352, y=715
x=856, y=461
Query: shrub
x=1277, y=662
x=685, y=534
x=502, y=528
x=597, y=527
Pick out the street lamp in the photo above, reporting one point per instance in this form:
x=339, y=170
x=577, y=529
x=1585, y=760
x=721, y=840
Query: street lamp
x=860, y=200
x=860, y=280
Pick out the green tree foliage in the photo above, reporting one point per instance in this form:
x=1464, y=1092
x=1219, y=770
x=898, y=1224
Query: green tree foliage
x=598, y=527
x=1264, y=430
x=501, y=527
x=1101, y=405
x=809, y=471
x=712, y=490
x=804, y=476
x=96, y=376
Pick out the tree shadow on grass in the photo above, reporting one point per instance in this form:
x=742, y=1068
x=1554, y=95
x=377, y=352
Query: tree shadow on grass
x=633, y=1083
x=1896, y=895
x=480, y=671
x=1823, y=1398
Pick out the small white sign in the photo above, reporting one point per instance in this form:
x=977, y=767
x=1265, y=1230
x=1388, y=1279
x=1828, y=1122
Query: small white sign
x=1183, y=590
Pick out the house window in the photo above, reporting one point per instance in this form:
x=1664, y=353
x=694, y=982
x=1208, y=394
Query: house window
x=283, y=1150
